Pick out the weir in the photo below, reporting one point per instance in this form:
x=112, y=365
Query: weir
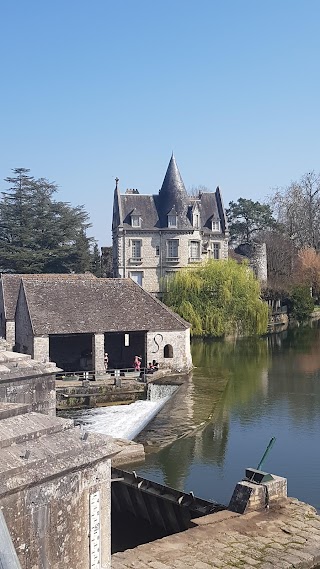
x=143, y=510
x=127, y=421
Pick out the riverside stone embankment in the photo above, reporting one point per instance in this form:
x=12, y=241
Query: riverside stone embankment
x=286, y=536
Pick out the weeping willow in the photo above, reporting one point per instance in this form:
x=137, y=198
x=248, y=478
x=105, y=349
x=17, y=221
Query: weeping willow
x=218, y=298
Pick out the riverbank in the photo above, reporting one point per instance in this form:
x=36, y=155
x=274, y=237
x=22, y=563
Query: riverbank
x=285, y=537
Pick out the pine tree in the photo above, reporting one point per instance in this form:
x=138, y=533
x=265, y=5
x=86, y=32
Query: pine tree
x=39, y=234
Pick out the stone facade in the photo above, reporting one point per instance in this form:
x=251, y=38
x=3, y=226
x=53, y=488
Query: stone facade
x=154, y=236
x=170, y=349
x=256, y=253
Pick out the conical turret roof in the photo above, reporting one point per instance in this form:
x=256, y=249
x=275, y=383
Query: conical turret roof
x=173, y=195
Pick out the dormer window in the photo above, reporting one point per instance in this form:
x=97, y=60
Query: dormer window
x=135, y=221
x=172, y=220
x=215, y=225
x=196, y=220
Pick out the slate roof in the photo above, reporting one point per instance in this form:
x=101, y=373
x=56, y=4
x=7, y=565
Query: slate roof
x=93, y=306
x=153, y=209
x=173, y=195
x=11, y=285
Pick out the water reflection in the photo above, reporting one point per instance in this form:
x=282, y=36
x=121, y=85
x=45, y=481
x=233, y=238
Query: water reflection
x=264, y=387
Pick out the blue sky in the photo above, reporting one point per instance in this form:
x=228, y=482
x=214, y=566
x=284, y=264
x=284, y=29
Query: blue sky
x=91, y=90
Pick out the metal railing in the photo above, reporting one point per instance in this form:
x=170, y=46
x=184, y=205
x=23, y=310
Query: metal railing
x=81, y=375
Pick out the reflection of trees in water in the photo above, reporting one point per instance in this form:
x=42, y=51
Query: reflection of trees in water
x=295, y=374
x=243, y=363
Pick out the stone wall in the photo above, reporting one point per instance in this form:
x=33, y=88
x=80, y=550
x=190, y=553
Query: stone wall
x=180, y=342
x=256, y=253
x=38, y=392
x=10, y=333
x=49, y=521
x=41, y=348
x=98, y=353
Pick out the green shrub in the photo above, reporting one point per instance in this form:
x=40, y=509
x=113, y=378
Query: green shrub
x=302, y=302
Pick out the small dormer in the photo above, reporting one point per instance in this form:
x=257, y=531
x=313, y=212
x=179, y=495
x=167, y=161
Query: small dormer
x=172, y=218
x=195, y=216
x=215, y=225
x=135, y=218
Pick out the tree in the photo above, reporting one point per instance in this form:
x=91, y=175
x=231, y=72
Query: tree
x=106, y=262
x=196, y=191
x=282, y=260
x=302, y=303
x=96, y=261
x=218, y=298
x=39, y=234
x=247, y=218
x=308, y=268
x=297, y=208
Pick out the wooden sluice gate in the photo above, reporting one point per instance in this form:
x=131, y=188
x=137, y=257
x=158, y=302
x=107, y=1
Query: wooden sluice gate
x=156, y=509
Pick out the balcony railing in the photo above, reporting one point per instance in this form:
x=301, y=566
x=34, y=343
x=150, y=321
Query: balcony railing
x=195, y=259
x=172, y=259
x=135, y=260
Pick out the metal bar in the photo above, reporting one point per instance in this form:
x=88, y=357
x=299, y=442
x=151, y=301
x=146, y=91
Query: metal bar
x=266, y=452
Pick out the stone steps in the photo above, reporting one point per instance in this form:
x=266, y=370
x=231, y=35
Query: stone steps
x=30, y=426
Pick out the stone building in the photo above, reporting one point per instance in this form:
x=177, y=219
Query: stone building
x=72, y=321
x=155, y=235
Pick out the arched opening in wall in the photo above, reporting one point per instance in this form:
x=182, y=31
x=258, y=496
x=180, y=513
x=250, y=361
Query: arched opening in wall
x=168, y=351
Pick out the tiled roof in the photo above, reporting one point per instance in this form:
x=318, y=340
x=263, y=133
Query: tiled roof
x=96, y=305
x=11, y=285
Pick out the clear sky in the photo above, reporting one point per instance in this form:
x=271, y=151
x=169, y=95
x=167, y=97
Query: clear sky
x=95, y=89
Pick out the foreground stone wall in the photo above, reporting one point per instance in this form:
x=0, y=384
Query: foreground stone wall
x=49, y=522
x=37, y=392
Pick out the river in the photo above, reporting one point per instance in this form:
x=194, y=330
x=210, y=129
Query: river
x=239, y=396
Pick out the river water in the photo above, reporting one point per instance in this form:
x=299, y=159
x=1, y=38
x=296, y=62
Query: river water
x=239, y=396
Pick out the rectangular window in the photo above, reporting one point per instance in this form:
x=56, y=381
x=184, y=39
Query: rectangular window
x=215, y=226
x=135, y=221
x=172, y=221
x=172, y=248
x=196, y=220
x=136, y=249
x=157, y=250
x=194, y=250
x=216, y=250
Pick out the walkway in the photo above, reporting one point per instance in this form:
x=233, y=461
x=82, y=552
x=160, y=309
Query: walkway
x=284, y=537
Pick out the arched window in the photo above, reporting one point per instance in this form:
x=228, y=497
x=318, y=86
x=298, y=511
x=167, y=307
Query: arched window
x=168, y=351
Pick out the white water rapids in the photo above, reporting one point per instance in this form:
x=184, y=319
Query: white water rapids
x=127, y=421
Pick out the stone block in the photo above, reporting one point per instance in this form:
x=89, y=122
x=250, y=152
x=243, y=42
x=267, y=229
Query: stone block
x=248, y=496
